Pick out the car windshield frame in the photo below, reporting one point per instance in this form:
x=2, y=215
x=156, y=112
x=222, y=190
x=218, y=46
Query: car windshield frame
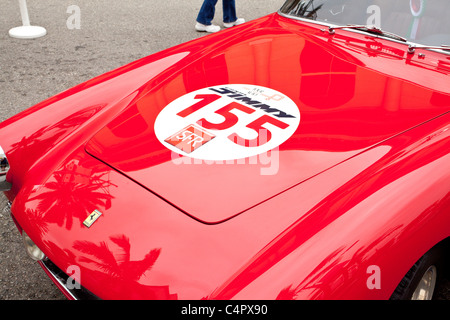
x=310, y=11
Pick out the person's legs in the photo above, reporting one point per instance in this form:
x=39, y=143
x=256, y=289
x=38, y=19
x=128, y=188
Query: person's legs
x=230, y=18
x=229, y=11
x=207, y=11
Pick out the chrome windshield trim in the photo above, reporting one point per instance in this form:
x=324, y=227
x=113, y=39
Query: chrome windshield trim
x=322, y=23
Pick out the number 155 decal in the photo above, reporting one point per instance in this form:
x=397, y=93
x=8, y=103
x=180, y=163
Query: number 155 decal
x=227, y=122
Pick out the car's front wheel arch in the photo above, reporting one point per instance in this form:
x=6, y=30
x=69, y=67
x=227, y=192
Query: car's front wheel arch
x=420, y=282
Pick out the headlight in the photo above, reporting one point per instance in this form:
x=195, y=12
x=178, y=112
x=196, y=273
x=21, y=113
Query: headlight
x=4, y=168
x=32, y=249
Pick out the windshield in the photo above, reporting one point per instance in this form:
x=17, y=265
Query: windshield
x=420, y=21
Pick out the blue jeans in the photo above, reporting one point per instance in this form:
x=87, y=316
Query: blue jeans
x=208, y=9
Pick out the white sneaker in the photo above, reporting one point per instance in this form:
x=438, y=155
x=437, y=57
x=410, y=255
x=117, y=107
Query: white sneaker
x=232, y=24
x=204, y=28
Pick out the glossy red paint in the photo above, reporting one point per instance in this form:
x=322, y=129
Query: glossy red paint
x=364, y=181
x=345, y=106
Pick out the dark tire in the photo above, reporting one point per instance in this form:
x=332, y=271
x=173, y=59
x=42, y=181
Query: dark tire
x=424, y=274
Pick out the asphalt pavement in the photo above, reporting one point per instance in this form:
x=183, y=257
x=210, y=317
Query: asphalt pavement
x=111, y=33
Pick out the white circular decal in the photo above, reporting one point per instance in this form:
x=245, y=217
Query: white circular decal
x=227, y=122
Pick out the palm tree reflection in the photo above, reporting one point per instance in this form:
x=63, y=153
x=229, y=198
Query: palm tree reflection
x=116, y=265
x=119, y=265
x=73, y=192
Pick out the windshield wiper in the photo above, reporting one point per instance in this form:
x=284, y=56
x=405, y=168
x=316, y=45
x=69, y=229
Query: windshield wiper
x=368, y=28
x=412, y=47
x=374, y=29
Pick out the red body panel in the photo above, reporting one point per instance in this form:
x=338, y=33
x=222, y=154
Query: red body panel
x=346, y=107
x=364, y=181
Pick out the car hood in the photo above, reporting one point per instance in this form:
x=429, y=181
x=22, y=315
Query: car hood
x=336, y=98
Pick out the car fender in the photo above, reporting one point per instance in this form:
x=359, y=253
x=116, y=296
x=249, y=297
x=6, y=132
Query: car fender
x=367, y=233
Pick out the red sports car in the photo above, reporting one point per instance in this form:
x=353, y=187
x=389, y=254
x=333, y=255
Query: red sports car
x=302, y=155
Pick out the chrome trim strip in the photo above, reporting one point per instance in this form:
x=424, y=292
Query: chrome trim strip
x=59, y=276
x=58, y=279
x=4, y=168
